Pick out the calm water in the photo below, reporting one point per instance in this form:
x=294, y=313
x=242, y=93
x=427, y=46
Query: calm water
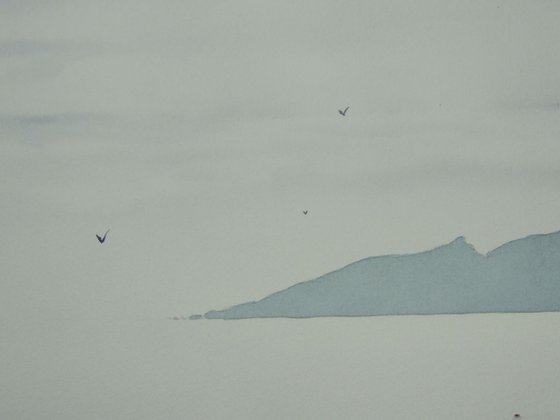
x=433, y=367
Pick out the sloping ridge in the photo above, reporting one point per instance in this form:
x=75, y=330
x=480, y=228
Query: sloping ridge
x=519, y=276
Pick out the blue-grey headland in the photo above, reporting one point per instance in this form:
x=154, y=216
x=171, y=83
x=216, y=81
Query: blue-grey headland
x=520, y=276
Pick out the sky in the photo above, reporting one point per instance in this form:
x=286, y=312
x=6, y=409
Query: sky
x=199, y=131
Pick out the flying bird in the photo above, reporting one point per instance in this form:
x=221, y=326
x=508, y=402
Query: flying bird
x=100, y=239
x=305, y=211
x=343, y=113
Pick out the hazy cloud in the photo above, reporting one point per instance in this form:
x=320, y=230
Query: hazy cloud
x=7, y=120
x=28, y=6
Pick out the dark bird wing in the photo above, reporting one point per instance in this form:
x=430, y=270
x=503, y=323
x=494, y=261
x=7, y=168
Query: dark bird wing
x=347, y=108
x=100, y=239
x=340, y=112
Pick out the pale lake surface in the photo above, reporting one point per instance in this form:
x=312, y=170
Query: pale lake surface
x=484, y=367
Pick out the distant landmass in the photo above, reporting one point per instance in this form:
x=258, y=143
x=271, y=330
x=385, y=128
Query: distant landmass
x=519, y=276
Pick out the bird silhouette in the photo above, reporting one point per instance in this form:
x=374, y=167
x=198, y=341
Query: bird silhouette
x=343, y=113
x=100, y=239
x=305, y=211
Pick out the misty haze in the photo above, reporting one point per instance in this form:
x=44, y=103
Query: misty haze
x=200, y=133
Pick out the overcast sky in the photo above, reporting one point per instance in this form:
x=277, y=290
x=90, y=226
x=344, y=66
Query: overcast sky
x=198, y=132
